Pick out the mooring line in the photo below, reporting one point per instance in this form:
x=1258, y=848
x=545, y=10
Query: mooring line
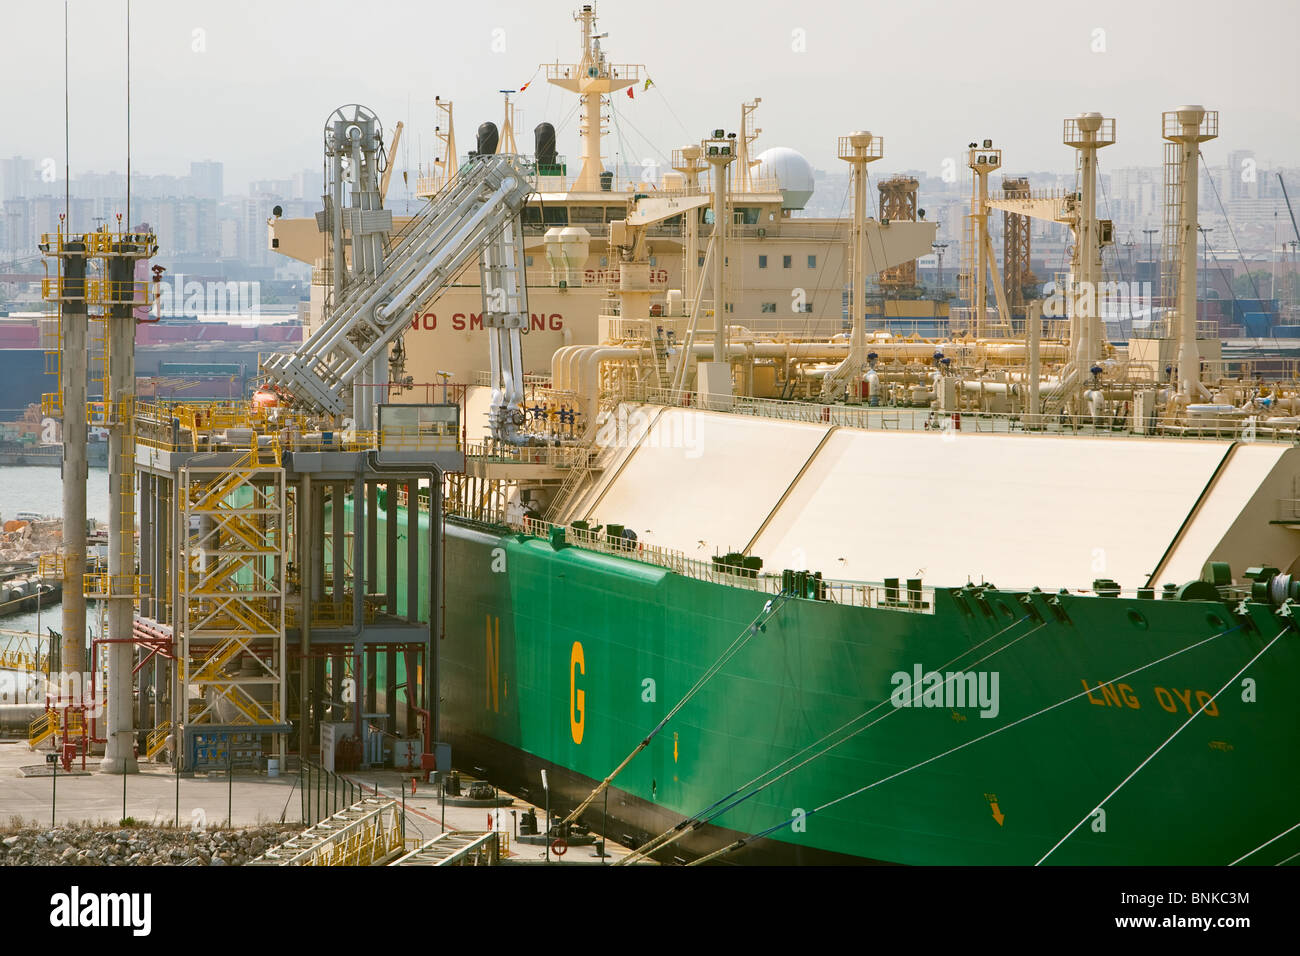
x=1152, y=756
x=679, y=830
x=770, y=609
x=1262, y=845
x=785, y=823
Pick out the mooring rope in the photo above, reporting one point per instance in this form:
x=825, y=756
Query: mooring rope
x=770, y=609
x=737, y=844
x=679, y=830
x=1183, y=726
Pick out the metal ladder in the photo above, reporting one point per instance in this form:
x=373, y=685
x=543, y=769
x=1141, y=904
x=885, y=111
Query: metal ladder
x=573, y=484
x=456, y=848
x=360, y=835
x=661, y=360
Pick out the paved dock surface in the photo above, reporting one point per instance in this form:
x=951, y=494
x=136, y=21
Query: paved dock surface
x=245, y=799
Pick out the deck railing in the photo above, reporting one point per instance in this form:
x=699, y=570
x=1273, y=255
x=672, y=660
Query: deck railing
x=918, y=599
x=1239, y=427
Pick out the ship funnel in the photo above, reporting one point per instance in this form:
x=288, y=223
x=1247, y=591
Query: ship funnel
x=544, y=140
x=487, y=139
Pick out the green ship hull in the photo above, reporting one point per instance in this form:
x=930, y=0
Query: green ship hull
x=564, y=659
x=571, y=657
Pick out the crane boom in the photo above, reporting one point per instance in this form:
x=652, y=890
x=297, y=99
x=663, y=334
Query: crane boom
x=388, y=173
x=1288, y=206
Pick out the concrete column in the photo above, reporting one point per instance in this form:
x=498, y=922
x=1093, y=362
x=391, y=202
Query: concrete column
x=119, y=726
x=73, y=385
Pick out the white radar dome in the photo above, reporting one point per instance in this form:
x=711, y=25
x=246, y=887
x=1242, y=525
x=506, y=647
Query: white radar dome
x=792, y=171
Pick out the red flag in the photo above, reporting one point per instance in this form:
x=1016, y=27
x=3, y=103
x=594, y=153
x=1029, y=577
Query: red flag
x=629, y=94
x=524, y=87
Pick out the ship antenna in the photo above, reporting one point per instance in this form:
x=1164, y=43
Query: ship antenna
x=67, y=128
x=128, y=114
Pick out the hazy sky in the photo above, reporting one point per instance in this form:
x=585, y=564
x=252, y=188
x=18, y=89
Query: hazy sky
x=250, y=82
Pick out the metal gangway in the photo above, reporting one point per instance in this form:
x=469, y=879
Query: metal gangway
x=477, y=214
x=458, y=848
x=368, y=833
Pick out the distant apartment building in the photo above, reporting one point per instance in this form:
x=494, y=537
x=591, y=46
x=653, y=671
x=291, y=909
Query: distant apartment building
x=206, y=180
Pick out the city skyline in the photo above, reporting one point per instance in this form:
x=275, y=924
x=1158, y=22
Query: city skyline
x=202, y=79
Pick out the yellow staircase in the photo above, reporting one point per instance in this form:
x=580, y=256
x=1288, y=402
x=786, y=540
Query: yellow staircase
x=42, y=728
x=157, y=739
x=47, y=725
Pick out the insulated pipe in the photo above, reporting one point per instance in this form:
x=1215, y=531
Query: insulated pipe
x=413, y=287
x=567, y=362
x=559, y=368
x=990, y=388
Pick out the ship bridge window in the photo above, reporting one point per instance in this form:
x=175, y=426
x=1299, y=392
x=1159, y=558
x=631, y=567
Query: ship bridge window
x=746, y=216
x=585, y=214
x=532, y=215
x=613, y=213
x=555, y=215
x=673, y=221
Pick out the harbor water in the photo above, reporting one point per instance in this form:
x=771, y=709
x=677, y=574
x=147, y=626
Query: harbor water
x=39, y=489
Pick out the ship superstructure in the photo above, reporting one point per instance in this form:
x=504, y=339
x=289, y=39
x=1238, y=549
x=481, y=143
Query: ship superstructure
x=573, y=260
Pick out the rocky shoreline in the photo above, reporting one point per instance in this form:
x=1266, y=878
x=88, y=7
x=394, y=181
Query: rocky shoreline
x=138, y=845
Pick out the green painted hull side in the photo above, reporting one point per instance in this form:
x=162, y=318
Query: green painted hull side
x=1219, y=789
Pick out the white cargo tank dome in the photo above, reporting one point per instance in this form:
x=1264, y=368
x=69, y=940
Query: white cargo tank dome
x=792, y=171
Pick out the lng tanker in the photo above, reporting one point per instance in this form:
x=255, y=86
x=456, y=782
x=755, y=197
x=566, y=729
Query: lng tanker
x=1003, y=594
